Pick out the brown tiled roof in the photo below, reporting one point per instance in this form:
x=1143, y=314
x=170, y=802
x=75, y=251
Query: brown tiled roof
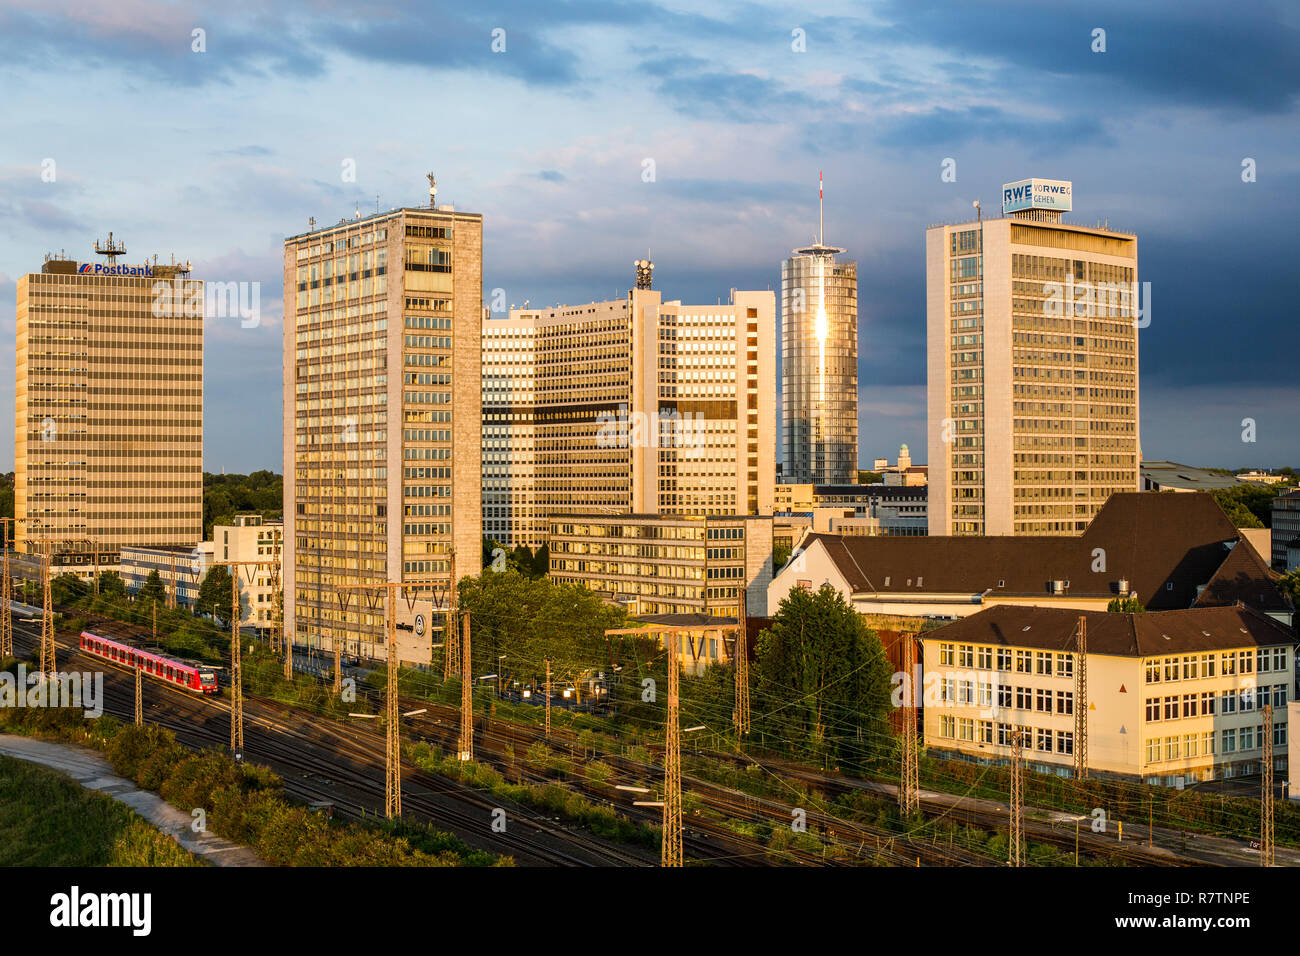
x=1244, y=576
x=1190, y=630
x=1164, y=545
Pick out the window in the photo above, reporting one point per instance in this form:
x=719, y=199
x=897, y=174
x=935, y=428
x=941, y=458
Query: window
x=1229, y=740
x=1279, y=696
x=1043, y=701
x=1065, y=665
x=1190, y=744
x=1004, y=735
x=1024, y=699
x=1207, y=665
x=1171, y=668
x=1044, y=661
x=1207, y=703
x=1044, y=740
x=1171, y=708
x=1189, y=705
x=1024, y=661
x=1245, y=661
x=966, y=729
x=1153, y=672
x=1262, y=659
x=1172, y=749
x=1004, y=659
x=1246, y=699
x=1228, y=702
x=947, y=727
x=1190, y=668
x=1229, y=662
x=945, y=655
x=1207, y=743
x=1153, y=709
x=965, y=655
x=1279, y=658
x=1004, y=696
x=986, y=731
x=1065, y=742
x=1065, y=702
x=1153, y=750
x=985, y=694
x=1246, y=738
x=985, y=657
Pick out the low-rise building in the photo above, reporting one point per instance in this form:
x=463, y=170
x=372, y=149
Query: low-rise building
x=179, y=567
x=1168, y=551
x=1286, y=527
x=658, y=564
x=857, y=509
x=254, y=538
x=1171, y=476
x=1173, y=697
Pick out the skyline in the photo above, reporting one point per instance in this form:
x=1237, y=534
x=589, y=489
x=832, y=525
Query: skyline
x=737, y=124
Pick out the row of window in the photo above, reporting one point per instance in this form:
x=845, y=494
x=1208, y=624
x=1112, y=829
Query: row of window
x=1209, y=703
x=1042, y=739
x=1231, y=740
x=1197, y=666
x=1046, y=663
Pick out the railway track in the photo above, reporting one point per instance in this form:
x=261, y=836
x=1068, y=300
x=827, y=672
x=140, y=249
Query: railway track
x=324, y=760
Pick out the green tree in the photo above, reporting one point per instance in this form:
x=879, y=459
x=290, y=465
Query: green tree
x=1247, y=505
x=214, y=596
x=532, y=619
x=67, y=587
x=542, y=562
x=822, y=678
x=111, y=585
x=1124, y=605
x=152, y=589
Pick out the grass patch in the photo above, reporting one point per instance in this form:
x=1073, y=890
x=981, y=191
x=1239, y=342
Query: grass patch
x=47, y=819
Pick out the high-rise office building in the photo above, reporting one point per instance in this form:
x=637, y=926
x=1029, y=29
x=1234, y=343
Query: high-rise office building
x=1032, y=367
x=510, y=514
x=819, y=366
x=108, y=425
x=651, y=407
x=382, y=415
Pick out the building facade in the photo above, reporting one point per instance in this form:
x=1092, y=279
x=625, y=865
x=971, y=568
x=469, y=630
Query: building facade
x=649, y=406
x=108, y=428
x=1032, y=373
x=1173, y=697
x=658, y=564
x=179, y=567
x=819, y=367
x=253, y=538
x=511, y=515
x=1285, y=531
x=382, y=416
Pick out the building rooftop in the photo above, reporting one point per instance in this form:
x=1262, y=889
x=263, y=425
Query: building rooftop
x=1190, y=630
x=1163, y=547
x=1170, y=474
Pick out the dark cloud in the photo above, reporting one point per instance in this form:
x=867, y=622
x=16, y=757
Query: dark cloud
x=1174, y=52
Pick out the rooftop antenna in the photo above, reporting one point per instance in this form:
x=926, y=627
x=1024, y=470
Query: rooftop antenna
x=110, y=249
x=821, y=222
x=433, y=189
x=358, y=209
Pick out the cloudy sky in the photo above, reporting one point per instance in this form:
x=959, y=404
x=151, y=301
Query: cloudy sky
x=215, y=156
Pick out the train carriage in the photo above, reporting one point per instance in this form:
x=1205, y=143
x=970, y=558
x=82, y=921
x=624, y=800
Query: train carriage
x=191, y=676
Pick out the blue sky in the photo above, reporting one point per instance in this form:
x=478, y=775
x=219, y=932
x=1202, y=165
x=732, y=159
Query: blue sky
x=216, y=156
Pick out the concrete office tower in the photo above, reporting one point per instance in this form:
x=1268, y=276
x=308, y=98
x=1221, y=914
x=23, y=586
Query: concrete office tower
x=108, y=424
x=819, y=366
x=510, y=513
x=1032, y=368
x=382, y=415
x=651, y=407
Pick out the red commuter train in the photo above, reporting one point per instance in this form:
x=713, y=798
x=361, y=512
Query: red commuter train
x=193, y=677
